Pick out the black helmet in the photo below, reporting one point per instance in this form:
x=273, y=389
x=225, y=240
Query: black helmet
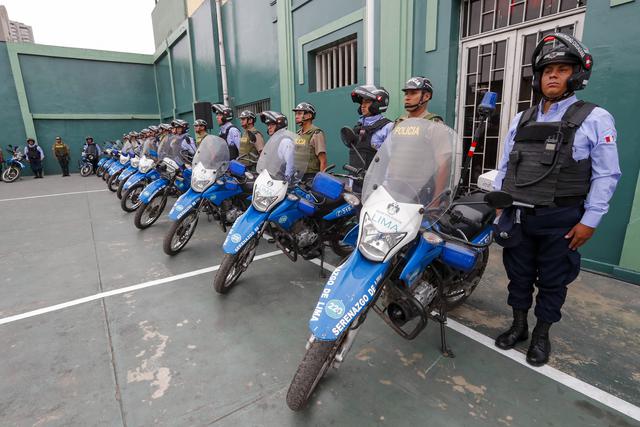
x=568, y=50
x=89, y=138
x=179, y=123
x=418, y=83
x=200, y=122
x=378, y=96
x=224, y=111
x=248, y=114
x=269, y=117
x=307, y=108
x=165, y=126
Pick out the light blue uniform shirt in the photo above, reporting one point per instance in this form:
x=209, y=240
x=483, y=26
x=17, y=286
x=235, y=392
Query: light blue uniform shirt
x=596, y=138
x=233, y=137
x=98, y=149
x=377, y=138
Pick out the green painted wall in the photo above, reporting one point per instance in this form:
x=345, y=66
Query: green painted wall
x=10, y=117
x=614, y=79
x=84, y=86
x=205, y=59
x=166, y=17
x=163, y=83
x=181, y=61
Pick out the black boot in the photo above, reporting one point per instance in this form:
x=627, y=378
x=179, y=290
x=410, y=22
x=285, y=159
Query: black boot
x=519, y=331
x=540, y=347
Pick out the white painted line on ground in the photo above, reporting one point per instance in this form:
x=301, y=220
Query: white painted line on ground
x=567, y=380
x=119, y=291
x=52, y=195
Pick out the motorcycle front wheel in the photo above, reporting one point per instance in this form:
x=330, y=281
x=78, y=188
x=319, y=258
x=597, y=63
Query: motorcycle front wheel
x=233, y=265
x=86, y=170
x=11, y=174
x=180, y=233
x=120, y=188
x=148, y=213
x=99, y=171
x=112, y=183
x=315, y=364
x=131, y=198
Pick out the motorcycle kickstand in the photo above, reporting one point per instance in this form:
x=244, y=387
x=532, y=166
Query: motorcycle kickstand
x=442, y=319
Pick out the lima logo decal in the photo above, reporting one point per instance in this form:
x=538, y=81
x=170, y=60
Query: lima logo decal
x=236, y=238
x=283, y=219
x=334, y=309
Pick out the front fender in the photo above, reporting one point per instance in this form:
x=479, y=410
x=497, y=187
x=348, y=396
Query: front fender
x=348, y=292
x=152, y=189
x=125, y=174
x=133, y=180
x=184, y=204
x=245, y=227
x=116, y=167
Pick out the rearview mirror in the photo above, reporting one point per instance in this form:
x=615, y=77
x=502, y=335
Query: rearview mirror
x=498, y=199
x=348, y=137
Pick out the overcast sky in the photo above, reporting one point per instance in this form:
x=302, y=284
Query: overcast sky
x=118, y=25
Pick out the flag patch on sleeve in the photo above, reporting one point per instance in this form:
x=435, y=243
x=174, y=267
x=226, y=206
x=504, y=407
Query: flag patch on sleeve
x=609, y=138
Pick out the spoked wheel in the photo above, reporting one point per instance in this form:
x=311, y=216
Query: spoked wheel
x=105, y=176
x=120, y=188
x=314, y=366
x=233, y=265
x=86, y=170
x=112, y=183
x=131, y=198
x=10, y=174
x=148, y=213
x=458, y=292
x=99, y=171
x=339, y=248
x=180, y=233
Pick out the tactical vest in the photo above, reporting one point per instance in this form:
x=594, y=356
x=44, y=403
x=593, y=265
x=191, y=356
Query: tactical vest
x=365, y=134
x=427, y=116
x=314, y=162
x=32, y=153
x=60, y=150
x=247, y=143
x=92, y=149
x=541, y=170
x=200, y=138
x=233, y=150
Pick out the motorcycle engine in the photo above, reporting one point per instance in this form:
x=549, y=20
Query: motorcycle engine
x=401, y=310
x=305, y=234
x=231, y=212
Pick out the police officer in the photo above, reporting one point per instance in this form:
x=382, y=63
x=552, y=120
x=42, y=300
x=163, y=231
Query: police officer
x=418, y=91
x=186, y=143
x=372, y=127
x=228, y=131
x=200, y=128
x=313, y=137
x=35, y=156
x=251, y=140
x=559, y=156
x=62, y=153
x=276, y=121
x=91, y=147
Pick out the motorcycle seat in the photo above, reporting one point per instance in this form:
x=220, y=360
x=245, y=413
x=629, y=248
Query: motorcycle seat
x=481, y=214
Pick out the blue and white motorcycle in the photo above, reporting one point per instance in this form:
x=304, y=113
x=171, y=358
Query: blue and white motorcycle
x=125, y=154
x=301, y=219
x=211, y=192
x=174, y=180
x=146, y=174
x=132, y=168
x=418, y=254
x=104, y=158
x=15, y=164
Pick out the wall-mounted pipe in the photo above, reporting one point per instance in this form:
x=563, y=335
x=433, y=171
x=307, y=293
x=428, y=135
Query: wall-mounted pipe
x=223, y=61
x=370, y=37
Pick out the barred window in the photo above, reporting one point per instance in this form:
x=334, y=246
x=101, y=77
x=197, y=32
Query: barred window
x=256, y=107
x=481, y=16
x=336, y=66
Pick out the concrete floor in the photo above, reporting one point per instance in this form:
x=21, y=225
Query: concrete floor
x=178, y=354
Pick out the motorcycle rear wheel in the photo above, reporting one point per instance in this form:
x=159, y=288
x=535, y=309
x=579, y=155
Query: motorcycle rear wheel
x=315, y=364
x=233, y=265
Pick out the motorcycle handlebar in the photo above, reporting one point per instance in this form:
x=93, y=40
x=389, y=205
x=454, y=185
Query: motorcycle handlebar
x=351, y=169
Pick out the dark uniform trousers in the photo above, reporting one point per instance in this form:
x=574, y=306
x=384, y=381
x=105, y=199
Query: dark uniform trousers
x=543, y=259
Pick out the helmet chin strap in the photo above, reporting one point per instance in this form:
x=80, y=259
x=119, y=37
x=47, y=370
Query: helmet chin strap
x=414, y=107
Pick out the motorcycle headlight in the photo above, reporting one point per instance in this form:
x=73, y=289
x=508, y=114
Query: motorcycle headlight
x=200, y=185
x=263, y=203
x=375, y=244
x=351, y=199
x=135, y=162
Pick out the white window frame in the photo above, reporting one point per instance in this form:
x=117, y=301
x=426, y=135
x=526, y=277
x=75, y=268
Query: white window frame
x=335, y=66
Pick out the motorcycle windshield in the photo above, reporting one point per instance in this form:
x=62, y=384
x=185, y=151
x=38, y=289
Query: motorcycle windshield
x=165, y=149
x=127, y=147
x=285, y=156
x=415, y=165
x=212, y=154
x=150, y=148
